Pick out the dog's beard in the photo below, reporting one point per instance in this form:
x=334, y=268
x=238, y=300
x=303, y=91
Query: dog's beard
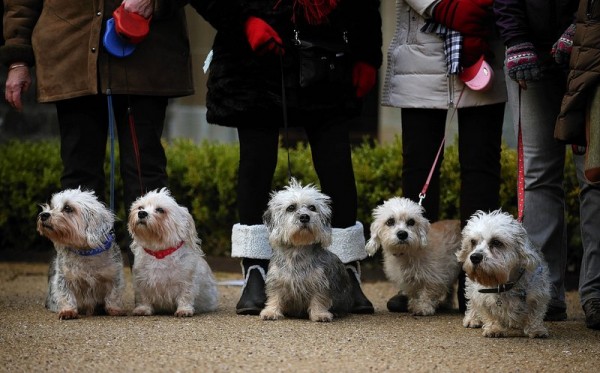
x=302, y=236
x=486, y=274
x=62, y=231
x=152, y=233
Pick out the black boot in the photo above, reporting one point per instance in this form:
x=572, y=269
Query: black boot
x=361, y=303
x=398, y=303
x=253, y=296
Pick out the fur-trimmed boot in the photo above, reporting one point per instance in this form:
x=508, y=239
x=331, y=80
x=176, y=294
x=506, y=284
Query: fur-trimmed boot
x=349, y=245
x=251, y=243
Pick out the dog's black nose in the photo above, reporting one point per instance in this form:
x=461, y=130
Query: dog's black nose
x=142, y=214
x=44, y=216
x=476, y=258
x=304, y=218
x=402, y=235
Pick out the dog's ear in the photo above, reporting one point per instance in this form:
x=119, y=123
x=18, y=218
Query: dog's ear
x=99, y=221
x=374, y=242
x=465, y=249
x=528, y=253
x=190, y=234
x=424, y=227
x=268, y=219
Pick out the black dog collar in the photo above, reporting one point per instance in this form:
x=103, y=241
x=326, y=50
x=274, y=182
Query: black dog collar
x=501, y=288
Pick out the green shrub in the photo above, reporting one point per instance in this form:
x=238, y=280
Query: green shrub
x=203, y=177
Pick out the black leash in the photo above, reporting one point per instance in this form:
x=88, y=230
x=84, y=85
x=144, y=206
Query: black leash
x=285, y=117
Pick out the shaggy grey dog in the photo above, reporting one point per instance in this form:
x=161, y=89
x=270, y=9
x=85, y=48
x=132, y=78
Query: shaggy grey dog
x=507, y=286
x=87, y=274
x=304, y=279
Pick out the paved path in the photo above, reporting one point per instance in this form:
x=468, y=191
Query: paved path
x=32, y=339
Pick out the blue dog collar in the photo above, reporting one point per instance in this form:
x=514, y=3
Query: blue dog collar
x=107, y=245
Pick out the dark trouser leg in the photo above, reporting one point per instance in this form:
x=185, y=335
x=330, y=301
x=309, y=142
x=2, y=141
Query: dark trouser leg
x=258, y=159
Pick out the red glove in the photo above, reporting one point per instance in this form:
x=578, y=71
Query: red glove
x=262, y=37
x=473, y=47
x=469, y=17
x=363, y=78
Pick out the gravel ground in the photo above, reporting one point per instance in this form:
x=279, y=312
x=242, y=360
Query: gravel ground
x=32, y=339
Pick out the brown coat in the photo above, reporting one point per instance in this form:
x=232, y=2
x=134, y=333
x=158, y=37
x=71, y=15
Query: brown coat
x=63, y=38
x=584, y=76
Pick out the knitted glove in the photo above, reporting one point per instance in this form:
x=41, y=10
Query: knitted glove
x=473, y=47
x=262, y=37
x=469, y=17
x=522, y=62
x=363, y=78
x=561, y=50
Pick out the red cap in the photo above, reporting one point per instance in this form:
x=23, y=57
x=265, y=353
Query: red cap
x=131, y=26
x=479, y=76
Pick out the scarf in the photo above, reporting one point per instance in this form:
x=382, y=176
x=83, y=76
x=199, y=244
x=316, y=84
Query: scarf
x=315, y=11
x=452, y=44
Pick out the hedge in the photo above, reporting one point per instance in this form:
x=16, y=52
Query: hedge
x=203, y=178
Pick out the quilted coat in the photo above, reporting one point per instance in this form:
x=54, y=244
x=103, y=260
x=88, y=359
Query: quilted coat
x=584, y=75
x=416, y=74
x=62, y=38
x=245, y=88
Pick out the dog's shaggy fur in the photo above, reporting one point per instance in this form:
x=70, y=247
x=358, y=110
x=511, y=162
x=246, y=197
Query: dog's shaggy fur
x=86, y=275
x=304, y=279
x=170, y=272
x=419, y=257
x=507, y=285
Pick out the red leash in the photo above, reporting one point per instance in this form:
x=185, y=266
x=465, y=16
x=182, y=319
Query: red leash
x=521, y=169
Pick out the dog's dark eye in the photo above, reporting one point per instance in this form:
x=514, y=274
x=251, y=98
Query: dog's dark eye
x=496, y=243
x=390, y=222
x=410, y=222
x=140, y=208
x=68, y=209
x=473, y=243
x=160, y=210
x=312, y=208
x=291, y=208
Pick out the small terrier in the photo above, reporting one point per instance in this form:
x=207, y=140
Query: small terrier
x=507, y=285
x=304, y=278
x=419, y=257
x=87, y=273
x=170, y=273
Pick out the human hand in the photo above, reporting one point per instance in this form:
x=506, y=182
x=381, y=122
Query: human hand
x=473, y=48
x=522, y=63
x=262, y=37
x=561, y=50
x=145, y=8
x=18, y=81
x=469, y=17
x=363, y=78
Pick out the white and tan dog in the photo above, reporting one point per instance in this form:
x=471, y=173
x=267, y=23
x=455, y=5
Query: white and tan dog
x=87, y=273
x=170, y=273
x=304, y=278
x=419, y=257
x=507, y=284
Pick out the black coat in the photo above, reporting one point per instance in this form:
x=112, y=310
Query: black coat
x=244, y=88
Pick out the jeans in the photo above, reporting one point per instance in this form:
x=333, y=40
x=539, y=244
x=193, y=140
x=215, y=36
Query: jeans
x=544, y=207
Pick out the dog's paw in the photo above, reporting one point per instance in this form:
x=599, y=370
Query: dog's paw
x=540, y=332
x=184, y=312
x=469, y=322
x=422, y=309
x=68, y=314
x=321, y=316
x=142, y=310
x=270, y=314
x=115, y=311
x=492, y=332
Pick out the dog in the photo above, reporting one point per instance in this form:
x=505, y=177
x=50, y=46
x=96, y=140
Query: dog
x=304, y=278
x=507, y=279
x=170, y=273
x=86, y=275
x=419, y=257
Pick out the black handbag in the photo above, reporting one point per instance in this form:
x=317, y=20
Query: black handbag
x=322, y=61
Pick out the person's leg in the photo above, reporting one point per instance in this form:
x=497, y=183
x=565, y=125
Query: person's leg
x=250, y=239
x=83, y=125
x=148, y=115
x=479, y=144
x=589, y=214
x=544, y=157
x=332, y=158
x=422, y=134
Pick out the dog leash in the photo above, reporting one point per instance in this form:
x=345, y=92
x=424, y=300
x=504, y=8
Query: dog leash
x=521, y=169
x=423, y=193
x=285, y=117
